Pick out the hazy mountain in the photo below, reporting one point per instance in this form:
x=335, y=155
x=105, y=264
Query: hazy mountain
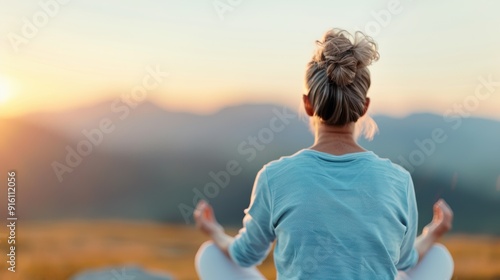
x=154, y=161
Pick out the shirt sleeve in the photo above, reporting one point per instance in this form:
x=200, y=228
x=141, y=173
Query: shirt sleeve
x=409, y=255
x=253, y=242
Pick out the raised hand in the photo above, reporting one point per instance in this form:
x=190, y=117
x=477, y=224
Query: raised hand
x=205, y=219
x=441, y=221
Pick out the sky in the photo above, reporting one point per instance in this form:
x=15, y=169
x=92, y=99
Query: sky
x=58, y=55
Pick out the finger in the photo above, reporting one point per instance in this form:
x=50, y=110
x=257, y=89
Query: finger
x=446, y=215
x=199, y=209
x=446, y=212
x=438, y=212
x=208, y=212
x=201, y=223
x=198, y=212
x=200, y=204
x=197, y=218
x=197, y=222
x=445, y=207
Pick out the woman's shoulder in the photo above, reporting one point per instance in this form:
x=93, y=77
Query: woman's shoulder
x=394, y=167
x=284, y=163
x=393, y=171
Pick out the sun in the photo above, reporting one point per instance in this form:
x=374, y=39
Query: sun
x=4, y=91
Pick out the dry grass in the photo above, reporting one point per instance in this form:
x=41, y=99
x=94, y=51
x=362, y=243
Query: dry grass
x=59, y=250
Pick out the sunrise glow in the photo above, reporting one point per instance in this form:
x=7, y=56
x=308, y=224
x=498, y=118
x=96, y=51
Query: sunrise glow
x=5, y=92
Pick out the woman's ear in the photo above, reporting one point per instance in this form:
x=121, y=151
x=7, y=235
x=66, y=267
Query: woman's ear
x=367, y=105
x=307, y=105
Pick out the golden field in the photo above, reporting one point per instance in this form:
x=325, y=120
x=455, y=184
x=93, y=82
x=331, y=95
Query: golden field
x=58, y=250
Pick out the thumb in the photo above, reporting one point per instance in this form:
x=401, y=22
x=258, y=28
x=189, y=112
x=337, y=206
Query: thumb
x=208, y=212
x=443, y=217
x=437, y=211
x=204, y=211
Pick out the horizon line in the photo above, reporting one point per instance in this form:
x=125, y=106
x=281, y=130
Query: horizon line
x=217, y=110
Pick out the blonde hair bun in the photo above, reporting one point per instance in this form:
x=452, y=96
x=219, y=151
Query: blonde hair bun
x=337, y=78
x=342, y=56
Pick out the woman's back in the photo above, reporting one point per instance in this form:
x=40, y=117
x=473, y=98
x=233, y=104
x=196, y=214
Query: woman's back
x=353, y=216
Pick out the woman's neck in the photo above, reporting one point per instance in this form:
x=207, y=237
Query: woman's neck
x=337, y=140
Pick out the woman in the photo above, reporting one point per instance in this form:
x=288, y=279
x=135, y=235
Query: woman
x=335, y=210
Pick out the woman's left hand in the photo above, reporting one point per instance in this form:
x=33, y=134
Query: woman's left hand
x=205, y=219
x=441, y=221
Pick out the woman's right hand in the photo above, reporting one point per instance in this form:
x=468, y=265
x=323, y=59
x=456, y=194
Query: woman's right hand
x=205, y=219
x=440, y=224
x=441, y=221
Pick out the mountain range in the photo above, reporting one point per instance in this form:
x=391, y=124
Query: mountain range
x=103, y=161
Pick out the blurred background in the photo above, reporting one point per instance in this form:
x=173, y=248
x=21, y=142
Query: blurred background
x=118, y=116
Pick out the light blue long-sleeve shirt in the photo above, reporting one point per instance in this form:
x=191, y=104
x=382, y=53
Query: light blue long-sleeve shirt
x=333, y=217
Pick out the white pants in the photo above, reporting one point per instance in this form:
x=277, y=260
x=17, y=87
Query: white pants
x=212, y=264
